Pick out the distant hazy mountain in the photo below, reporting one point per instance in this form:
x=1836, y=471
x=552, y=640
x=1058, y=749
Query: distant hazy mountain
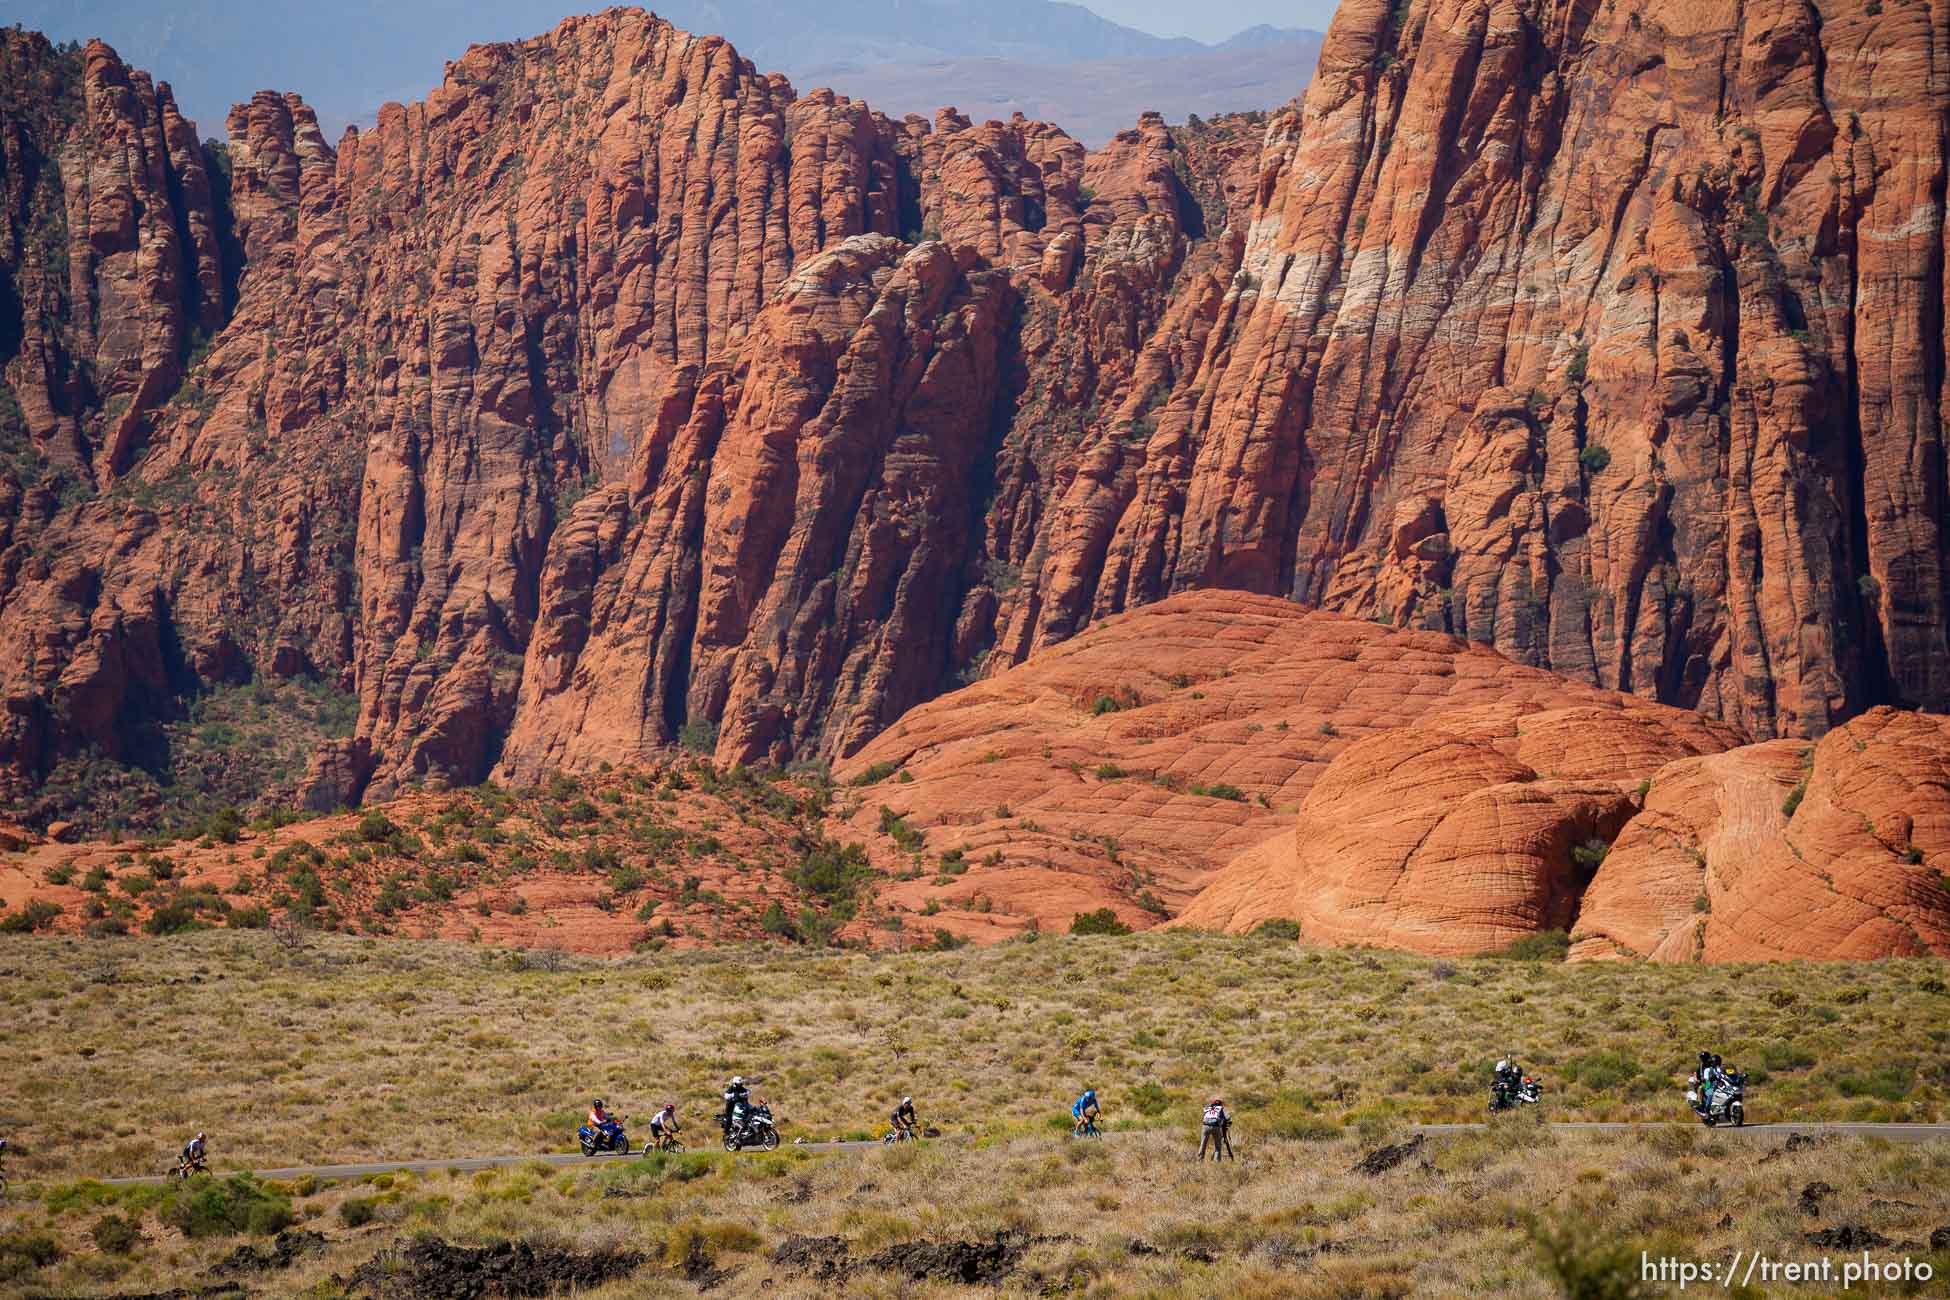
x=1091, y=99
x=348, y=59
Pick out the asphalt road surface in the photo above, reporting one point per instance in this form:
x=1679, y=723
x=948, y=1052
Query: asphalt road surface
x=467, y=1164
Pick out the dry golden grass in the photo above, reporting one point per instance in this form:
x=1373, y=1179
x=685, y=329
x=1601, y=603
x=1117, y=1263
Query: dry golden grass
x=352, y=1050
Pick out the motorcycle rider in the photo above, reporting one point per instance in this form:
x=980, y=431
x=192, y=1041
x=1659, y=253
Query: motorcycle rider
x=663, y=1125
x=1085, y=1110
x=1503, y=1087
x=601, y=1122
x=904, y=1118
x=1710, y=1079
x=1216, y=1129
x=736, y=1098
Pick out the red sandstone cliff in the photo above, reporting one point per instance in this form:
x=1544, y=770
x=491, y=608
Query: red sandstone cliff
x=614, y=391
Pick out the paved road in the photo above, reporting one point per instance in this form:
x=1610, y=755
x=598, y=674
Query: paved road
x=467, y=1164
x=1889, y=1132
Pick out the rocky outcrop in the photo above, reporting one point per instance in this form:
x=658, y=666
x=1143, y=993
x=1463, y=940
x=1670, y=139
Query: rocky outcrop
x=1126, y=766
x=1466, y=831
x=1785, y=850
x=613, y=393
x=785, y=556
x=1461, y=832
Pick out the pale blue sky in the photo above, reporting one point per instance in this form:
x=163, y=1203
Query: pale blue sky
x=1213, y=20
x=349, y=57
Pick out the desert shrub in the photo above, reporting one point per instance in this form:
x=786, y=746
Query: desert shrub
x=1785, y=1056
x=699, y=737
x=1588, y=1265
x=1280, y=929
x=1589, y=856
x=829, y=869
x=22, y=1252
x=1594, y=459
x=697, y=1242
x=876, y=773
x=358, y=1211
x=374, y=828
x=1289, y=1114
x=37, y=915
x=224, y=825
x=1545, y=945
x=1110, y=772
x=894, y=824
x=59, y=874
x=1220, y=790
x=1885, y=1083
x=171, y=918
x=1104, y=704
x=116, y=1234
x=249, y=918
x=1603, y=1071
x=1148, y=1098
x=238, y=1204
x=1794, y=797
x=1101, y=921
x=776, y=921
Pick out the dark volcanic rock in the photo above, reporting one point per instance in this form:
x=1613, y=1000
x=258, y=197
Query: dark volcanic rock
x=431, y=1269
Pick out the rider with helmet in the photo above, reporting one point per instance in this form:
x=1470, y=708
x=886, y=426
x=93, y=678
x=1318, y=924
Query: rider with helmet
x=605, y=1126
x=663, y=1125
x=736, y=1098
x=904, y=1118
x=1084, y=1110
x=1507, y=1084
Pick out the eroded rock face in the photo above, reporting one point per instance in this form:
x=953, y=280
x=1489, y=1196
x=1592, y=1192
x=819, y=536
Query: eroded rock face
x=1609, y=339
x=1126, y=766
x=786, y=554
x=1465, y=831
x=1460, y=832
x=1784, y=850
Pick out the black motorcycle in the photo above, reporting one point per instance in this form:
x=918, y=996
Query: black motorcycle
x=1512, y=1093
x=754, y=1128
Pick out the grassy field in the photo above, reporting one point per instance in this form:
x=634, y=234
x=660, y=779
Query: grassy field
x=345, y=1049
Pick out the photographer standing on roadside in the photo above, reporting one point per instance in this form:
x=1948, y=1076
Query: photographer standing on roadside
x=1216, y=1130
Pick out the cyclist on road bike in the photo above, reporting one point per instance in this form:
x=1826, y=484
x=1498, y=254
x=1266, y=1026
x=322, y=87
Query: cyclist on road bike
x=663, y=1125
x=1084, y=1110
x=904, y=1117
x=193, y=1155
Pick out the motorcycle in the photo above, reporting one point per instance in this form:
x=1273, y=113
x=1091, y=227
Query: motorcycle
x=754, y=1129
x=610, y=1137
x=1728, y=1104
x=1526, y=1092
